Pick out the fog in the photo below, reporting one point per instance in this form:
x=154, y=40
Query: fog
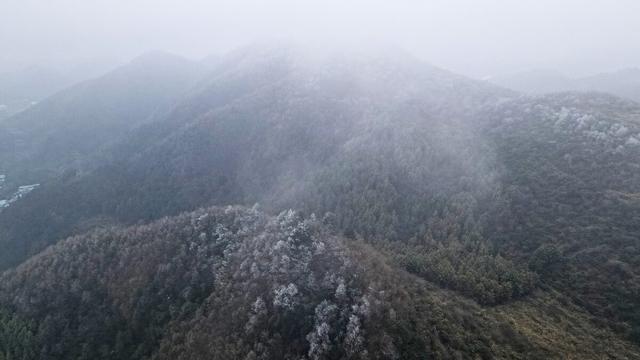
x=473, y=37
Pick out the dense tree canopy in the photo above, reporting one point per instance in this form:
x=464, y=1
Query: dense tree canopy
x=447, y=207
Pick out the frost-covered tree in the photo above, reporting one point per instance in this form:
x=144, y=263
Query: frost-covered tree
x=285, y=296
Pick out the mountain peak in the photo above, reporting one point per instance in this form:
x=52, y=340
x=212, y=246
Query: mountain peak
x=158, y=58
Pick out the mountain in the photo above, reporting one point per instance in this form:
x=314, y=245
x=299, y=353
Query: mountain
x=624, y=83
x=58, y=133
x=503, y=225
x=275, y=127
x=23, y=88
x=234, y=283
x=535, y=81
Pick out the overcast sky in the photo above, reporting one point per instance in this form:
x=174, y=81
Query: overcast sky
x=473, y=37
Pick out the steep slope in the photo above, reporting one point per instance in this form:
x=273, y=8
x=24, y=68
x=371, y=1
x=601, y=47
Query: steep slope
x=61, y=131
x=233, y=283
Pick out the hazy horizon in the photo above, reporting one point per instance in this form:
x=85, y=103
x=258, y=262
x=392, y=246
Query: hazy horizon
x=468, y=37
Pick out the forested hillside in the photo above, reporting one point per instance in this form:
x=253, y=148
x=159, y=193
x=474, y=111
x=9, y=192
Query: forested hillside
x=471, y=220
x=233, y=283
x=276, y=128
x=573, y=175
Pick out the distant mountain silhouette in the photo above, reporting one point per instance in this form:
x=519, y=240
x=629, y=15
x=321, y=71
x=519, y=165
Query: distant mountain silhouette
x=624, y=83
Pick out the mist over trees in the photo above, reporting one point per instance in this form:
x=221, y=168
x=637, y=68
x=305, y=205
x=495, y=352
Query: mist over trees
x=331, y=195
